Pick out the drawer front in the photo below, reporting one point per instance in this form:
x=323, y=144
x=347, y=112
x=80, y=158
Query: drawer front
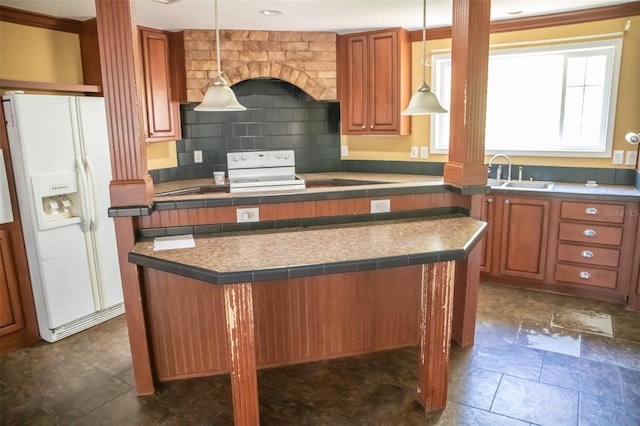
x=593, y=212
x=588, y=233
x=586, y=275
x=588, y=255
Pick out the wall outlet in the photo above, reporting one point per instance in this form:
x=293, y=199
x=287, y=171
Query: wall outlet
x=344, y=150
x=248, y=215
x=414, y=152
x=618, y=156
x=197, y=156
x=631, y=158
x=424, y=152
x=380, y=206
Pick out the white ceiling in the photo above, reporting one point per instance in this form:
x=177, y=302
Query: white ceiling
x=341, y=16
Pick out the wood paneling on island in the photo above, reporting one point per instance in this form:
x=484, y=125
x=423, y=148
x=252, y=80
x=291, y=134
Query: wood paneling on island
x=298, y=320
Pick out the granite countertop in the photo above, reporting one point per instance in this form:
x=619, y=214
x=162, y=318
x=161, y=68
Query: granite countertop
x=234, y=257
x=389, y=183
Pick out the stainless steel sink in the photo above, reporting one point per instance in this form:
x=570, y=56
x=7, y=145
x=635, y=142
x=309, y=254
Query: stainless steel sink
x=525, y=185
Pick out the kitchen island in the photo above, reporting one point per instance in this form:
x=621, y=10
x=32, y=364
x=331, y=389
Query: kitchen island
x=239, y=301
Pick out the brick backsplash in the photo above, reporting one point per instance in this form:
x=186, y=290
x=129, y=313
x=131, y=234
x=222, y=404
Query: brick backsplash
x=278, y=116
x=304, y=59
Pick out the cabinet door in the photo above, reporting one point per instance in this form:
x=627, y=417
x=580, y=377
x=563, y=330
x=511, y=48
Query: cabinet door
x=487, y=242
x=383, y=104
x=11, y=318
x=160, y=110
x=357, y=84
x=525, y=228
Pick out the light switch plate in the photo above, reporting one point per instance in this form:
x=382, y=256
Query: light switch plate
x=618, y=156
x=631, y=158
x=197, y=156
x=424, y=152
x=414, y=152
x=344, y=151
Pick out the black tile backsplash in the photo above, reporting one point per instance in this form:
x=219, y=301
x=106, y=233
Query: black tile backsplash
x=278, y=116
x=281, y=116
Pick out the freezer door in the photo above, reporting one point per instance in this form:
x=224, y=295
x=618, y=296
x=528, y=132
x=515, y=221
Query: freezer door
x=40, y=136
x=95, y=145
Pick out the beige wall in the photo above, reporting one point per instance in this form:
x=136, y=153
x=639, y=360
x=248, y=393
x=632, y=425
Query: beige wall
x=36, y=54
x=627, y=109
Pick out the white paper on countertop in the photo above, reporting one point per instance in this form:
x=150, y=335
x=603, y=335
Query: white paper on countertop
x=173, y=242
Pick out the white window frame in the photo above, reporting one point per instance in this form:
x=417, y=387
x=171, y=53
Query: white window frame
x=440, y=60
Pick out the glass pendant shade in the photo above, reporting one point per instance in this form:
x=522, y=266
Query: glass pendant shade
x=219, y=96
x=423, y=102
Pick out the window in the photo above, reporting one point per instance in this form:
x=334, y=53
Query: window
x=544, y=101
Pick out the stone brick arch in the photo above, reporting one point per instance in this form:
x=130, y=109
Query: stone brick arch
x=298, y=78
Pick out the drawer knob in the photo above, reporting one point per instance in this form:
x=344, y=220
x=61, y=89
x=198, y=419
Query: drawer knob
x=584, y=275
x=587, y=253
x=589, y=233
x=591, y=210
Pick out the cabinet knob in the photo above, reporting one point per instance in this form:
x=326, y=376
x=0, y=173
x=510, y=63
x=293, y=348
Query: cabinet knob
x=591, y=210
x=587, y=253
x=371, y=127
x=589, y=233
x=507, y=202
x=489, y=200
x=584, y=275
x=364, y=127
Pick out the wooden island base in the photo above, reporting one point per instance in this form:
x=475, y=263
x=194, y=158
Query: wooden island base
x=222, y=324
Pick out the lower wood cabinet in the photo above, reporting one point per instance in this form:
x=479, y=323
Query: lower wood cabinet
x=572, y=246
x=11, y=317
x=516, y=241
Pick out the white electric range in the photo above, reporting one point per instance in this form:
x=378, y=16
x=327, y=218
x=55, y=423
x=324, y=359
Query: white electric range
x=252, y=171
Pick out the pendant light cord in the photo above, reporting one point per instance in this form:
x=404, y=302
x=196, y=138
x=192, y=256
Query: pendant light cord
x=424, y=41
x=218, y=40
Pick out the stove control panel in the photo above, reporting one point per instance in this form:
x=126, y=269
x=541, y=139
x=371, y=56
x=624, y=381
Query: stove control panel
x=260, y=159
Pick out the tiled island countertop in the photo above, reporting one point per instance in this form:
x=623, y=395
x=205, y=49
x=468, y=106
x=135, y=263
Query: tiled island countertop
x=234, y=257
x=240, y=260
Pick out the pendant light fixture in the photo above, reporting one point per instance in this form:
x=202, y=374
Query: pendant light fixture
x=423, y=102
x=219, y=96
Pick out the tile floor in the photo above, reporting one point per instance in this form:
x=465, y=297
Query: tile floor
x=539, y=359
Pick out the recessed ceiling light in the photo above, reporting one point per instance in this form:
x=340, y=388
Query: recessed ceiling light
x=514, y=12
x=165, y=1
x=271, y=12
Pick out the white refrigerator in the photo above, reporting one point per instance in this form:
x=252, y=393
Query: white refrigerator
x=60, y=156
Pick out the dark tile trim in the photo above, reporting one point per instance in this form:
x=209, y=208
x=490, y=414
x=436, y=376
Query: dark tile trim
x=129, y=211
x=298, y=223
x=289, y=272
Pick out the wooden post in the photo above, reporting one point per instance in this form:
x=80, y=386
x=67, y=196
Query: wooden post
x=467, y=286
x=238, y=301
x=122, y=87
x=469, y=59
x=133, y=306
x=131, y=185
x=435, y=334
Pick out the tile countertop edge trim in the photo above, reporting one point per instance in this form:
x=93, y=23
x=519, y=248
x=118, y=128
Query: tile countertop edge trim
x=301, y=271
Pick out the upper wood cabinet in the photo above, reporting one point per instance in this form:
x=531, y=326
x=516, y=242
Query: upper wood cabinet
x=163, y=67
x=375, y=82
x=162, y=111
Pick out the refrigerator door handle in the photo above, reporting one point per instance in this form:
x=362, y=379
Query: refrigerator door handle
x=85, y=223
x=91, y=193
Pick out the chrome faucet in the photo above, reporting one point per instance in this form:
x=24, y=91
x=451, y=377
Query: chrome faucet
x=499, y=171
